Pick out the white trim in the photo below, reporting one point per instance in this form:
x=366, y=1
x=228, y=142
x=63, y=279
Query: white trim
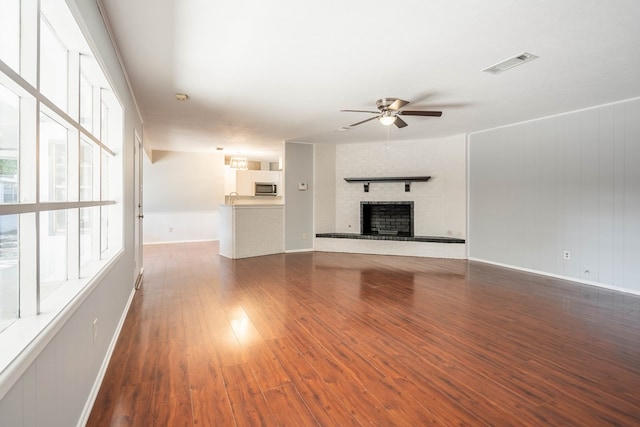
x=194, y=212
x=467, y=191
x=295, y=251
x=561, y=277
x=87, y=34
x=88, y=406
x=29, y=336
x=554, y=115
x=21, y=208
x=170, y=242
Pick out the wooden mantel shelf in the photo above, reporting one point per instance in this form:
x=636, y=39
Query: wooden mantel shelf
x=406, y=179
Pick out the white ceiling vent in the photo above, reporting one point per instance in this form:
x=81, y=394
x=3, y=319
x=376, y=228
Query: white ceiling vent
x=510, y=63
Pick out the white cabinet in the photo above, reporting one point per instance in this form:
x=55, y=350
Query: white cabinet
x=266, y=176
x=243, y=181
x=239, y=181
x=229, y=180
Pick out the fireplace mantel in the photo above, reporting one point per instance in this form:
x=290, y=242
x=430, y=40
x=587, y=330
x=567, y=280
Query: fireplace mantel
x=406, y=179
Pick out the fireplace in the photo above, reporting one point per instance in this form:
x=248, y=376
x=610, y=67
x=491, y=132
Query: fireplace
x=386, y=218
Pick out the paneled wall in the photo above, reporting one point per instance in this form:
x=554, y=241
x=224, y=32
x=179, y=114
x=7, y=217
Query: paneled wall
x=182, y=193
x=563, y=183
x=174, y=227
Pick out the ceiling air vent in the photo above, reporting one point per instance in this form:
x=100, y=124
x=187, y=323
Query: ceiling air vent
x=510, y=63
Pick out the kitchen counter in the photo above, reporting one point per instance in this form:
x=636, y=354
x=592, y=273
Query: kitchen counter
x=253, y=200
x=248, y=230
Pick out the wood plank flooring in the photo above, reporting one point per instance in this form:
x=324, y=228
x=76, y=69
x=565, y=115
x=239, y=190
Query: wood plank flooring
x=347, y=340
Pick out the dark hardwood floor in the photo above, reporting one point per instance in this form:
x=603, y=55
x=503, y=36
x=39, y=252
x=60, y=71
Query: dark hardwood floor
x=341, y=339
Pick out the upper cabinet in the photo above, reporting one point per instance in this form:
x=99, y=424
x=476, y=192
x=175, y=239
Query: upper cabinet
x=266, y=176
x=243, y=181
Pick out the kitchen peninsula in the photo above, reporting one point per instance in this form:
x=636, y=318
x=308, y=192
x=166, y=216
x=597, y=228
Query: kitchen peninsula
x=248, y=230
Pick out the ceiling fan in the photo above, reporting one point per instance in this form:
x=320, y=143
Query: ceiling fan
x=389, y=112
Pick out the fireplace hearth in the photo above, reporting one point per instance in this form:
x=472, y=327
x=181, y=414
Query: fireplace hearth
x=386, y=218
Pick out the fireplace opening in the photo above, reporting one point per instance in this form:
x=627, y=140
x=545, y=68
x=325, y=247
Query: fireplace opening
x=386, y=218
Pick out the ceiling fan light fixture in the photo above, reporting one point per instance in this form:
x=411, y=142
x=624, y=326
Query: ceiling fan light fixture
x=387, y=119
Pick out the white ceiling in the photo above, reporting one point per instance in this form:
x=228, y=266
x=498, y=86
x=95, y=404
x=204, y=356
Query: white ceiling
x=262, y=72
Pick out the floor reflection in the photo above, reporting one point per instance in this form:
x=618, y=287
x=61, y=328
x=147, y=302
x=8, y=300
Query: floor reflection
x=387, y=285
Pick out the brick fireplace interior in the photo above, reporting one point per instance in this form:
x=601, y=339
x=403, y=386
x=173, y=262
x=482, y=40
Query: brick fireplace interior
x=386, y=218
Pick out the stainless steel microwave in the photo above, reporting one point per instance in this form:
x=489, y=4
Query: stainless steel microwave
x=266, y=189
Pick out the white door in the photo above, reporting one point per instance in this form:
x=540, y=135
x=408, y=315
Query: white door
x=137, y=196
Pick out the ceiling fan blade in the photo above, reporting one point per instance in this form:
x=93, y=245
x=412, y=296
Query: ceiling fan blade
x=364, y=121
x=360, y=111
x=420, y=113
x=398, y=104
x=399, y=122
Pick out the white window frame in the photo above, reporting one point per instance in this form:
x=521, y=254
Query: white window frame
x=40, y=319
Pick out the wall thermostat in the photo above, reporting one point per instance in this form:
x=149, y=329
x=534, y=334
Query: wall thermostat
x=302, y=186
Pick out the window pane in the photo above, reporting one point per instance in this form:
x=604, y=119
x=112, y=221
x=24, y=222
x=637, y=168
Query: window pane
x=53, y=160
x=105, y=191
x=53, y=251
x=89, y=238
x=9, y=136
x=86, y=171
x=86, y=103
x=53, y=66
x=9, y=286
x=10, y=33
x=104, y=122
x=104, y=228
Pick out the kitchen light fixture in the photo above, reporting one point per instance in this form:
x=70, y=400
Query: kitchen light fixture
x=238, y=163
x=387, y=118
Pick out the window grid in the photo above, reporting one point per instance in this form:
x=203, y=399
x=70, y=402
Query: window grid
x=57, y=210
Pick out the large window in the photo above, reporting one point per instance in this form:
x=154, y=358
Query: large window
x=60, y=163
x=10, y=33
x=9, y=136
x=8, y=270
x=54, y=70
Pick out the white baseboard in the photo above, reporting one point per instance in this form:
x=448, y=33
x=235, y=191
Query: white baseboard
x=295, y=251
x=178, y=241
x=559, y=276
x=86, y=412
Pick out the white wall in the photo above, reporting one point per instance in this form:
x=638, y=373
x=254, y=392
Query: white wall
x=325, y=188
x=52, y=382
x=182, y=193
x=298, y=211
x=563, y=183
x=439, y=204
x=172, y=227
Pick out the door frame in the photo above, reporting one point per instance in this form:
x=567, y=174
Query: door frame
x=138, y=151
